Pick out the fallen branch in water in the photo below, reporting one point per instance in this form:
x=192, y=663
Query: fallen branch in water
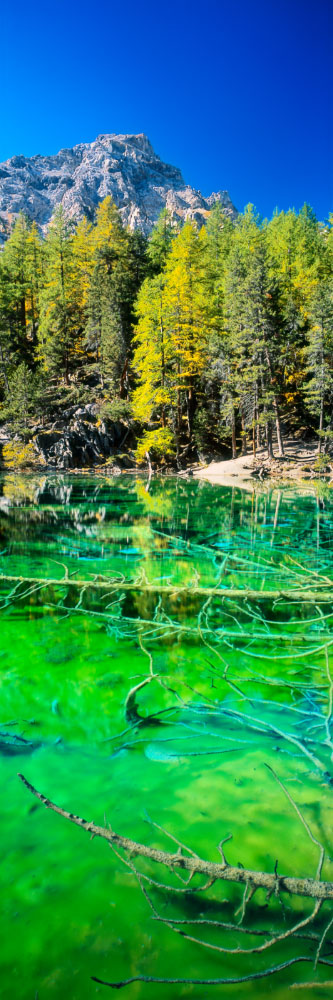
x=194, y=865
x=215, y=982
x=300, y=595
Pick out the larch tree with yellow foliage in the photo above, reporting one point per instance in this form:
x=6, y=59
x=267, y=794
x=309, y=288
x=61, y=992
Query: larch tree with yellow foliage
x=170, y=342
x=186, y=321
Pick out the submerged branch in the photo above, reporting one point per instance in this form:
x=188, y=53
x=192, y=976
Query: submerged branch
x=302, y=595
x=271, y=882
x=213, y=982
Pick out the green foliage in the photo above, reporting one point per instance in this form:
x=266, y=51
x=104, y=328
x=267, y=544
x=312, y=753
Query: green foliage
x=60, y=318
x=212, y=336
x=116, y=409
x=159, y=444
x=160, y=240
x=16, y=454
x=21, y=397
x=322, y=464
x=170, y=338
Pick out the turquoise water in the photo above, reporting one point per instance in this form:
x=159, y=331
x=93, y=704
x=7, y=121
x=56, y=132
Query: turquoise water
x=238, y=683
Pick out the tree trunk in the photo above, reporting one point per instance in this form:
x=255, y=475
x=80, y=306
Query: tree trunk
x=122, y=391
x=179, y=412
x=269, y=441
x=321, y=420
x=190, y=410
x=233, y=433
x=275, y=405
x=244, y=445
x=278, y=428
x=162, y=370
x=3, y=365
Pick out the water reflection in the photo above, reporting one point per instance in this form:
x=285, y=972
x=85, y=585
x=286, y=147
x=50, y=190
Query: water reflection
x=155, y=657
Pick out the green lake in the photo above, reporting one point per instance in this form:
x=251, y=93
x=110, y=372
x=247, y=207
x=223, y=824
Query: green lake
x=233, y=683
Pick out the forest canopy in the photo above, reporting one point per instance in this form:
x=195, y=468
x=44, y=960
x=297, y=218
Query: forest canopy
x=205, y=338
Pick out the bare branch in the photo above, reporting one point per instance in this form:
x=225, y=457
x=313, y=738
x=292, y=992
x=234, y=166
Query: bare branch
x=303, y=821
x=312, y=888
x=211, y=982
x=303, y=596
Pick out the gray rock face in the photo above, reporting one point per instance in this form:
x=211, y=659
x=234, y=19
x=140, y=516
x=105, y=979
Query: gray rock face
x=123, y=166
x=78, y=439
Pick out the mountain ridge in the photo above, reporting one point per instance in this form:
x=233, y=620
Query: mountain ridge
x=124, y=166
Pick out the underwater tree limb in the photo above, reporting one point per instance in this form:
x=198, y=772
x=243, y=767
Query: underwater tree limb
x=304, y=595
x=271, y=939
x=271, y=882
x=213, y=982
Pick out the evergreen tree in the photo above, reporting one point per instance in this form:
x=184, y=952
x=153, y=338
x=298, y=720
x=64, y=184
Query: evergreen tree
x=104, y=330
x=319, y=353
x=60, y=330
x=160, y=240
x=21, y=397
x=22, y=270
x=216, y=412
x=223, y=331
x=110, y=297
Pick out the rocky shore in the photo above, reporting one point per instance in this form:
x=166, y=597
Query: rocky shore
x=78, y=439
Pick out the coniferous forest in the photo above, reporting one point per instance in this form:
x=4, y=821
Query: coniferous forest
x=214, y=339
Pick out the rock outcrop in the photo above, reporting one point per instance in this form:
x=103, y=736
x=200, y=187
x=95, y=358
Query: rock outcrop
x=80, y=439
x=123, y=166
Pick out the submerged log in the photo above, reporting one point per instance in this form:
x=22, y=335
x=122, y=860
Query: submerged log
x=270, y=881
x=301, y=595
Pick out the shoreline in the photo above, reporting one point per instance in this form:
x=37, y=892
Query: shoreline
x=297, y=467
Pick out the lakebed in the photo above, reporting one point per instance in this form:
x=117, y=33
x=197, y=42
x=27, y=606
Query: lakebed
x=232, y=674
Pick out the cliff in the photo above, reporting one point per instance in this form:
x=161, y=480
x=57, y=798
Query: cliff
x=123, y=166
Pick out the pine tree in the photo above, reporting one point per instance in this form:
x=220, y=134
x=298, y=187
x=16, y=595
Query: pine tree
x=215, y=405
x=107, y=324
x=104, y=336
x=319, y=354
x=83, y=259
x=60, y=330
x=160, y=240
x=22, y=270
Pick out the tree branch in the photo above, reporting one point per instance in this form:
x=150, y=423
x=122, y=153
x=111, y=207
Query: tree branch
x=211, y=982
x=313, y=888
x=303, y=596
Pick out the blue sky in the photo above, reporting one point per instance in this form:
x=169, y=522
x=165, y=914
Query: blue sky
x=237, y=94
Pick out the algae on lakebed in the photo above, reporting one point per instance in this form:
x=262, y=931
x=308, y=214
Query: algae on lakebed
x=240, y=684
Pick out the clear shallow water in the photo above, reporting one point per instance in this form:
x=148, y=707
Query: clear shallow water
x=241, y=683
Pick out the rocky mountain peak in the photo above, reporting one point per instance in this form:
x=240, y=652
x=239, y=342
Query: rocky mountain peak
x=123, y=166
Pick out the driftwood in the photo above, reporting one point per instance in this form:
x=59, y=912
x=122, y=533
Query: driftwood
x=193, y=864
x=304, y=596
